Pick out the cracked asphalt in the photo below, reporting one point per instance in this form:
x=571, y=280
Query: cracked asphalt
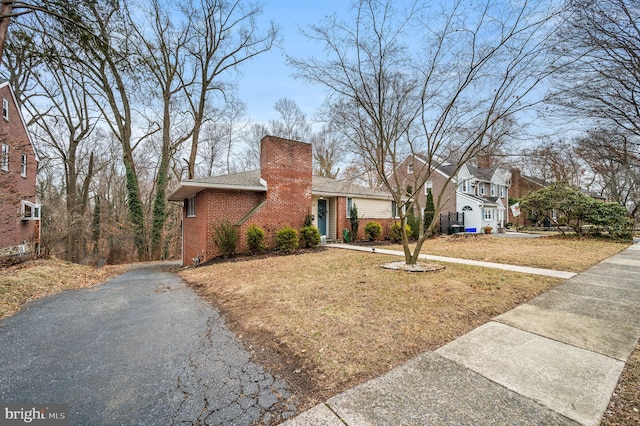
x=141, y=348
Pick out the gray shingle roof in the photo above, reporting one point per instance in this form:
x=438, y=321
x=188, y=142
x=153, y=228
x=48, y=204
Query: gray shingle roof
x=250, y=178
x=333, y=187
x=250, y=181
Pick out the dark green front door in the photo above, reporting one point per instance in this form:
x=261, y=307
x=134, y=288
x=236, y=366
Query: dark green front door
x=322, y=217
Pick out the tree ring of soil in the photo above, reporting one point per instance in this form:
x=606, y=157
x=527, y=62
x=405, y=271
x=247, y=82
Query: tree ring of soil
x=418, y=267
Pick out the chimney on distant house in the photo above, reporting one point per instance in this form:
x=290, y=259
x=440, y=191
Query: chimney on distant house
x=484, y=160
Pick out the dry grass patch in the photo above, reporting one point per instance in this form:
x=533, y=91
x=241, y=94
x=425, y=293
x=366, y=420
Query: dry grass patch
x=624, y=407
x=43, y=277
x=333, y=319
x=562, y=254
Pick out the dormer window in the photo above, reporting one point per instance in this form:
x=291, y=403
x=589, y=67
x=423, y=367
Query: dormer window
x=5, y=108
x=410, y=168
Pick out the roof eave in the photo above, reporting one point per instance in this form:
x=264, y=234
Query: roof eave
x=188, y=189
x=350, y=195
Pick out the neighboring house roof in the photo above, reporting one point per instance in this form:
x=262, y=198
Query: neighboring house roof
x=251, y=181
x=537, y=181
x=487, y=201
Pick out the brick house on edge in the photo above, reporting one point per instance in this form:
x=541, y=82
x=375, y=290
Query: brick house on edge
x=280, y=194
x=19, y=209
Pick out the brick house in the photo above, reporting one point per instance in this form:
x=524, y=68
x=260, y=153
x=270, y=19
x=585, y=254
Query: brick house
x=281, y=193
x=521, y=186
x=19, y=208
x=475, y=197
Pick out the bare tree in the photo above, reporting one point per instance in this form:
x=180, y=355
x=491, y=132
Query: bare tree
x=479, y=66
x=327, y=153
x=602, y=82
x=224, y=34
x=62, y=118
x=250, y=156
x=613, y=161
x=292, y=122
x=162, y=45
x=555, y=161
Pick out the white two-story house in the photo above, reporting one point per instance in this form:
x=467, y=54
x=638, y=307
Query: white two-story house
x=475, y=197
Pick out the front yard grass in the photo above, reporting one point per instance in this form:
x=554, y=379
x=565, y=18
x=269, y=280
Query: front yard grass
x=329, y=320
x=38, y=278
x=549, y=252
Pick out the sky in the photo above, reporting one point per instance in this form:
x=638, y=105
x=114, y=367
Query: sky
x=267, y=78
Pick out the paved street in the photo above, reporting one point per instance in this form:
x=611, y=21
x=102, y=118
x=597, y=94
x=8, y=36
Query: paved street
x=139, y=349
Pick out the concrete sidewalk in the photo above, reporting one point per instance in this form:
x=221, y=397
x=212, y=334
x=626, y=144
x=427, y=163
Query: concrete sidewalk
x=555, y=360
x=514, y=268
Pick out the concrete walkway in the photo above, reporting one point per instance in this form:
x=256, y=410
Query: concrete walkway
x=514, y=268
x=555, y=360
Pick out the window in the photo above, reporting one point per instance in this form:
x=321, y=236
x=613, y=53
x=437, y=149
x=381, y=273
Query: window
x=4, y=157
x=481, y=188
x=428, y=186
x=502, y=191
x=410, y=168
x=349, y=206
x=464, y=187
x=191, y=206
x=467, y=209
x=5, y=108
x=493, y=190
x=488, y=214
x=23, y=170
x=395, y=212
x=29, y=210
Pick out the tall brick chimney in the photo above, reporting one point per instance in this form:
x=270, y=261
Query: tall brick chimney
x=286, y=166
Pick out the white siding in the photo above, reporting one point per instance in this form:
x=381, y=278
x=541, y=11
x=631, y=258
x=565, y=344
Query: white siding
x=332, y=220
x=373, y=209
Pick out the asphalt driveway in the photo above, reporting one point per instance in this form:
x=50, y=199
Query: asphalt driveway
x=141, y=348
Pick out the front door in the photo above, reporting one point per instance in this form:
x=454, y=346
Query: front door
x=322, y=217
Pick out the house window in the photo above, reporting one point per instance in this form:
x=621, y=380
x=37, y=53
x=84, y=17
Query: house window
x=349, y=206
x=4, y=157
x=5, y=109
x=29, y=211
x=481, y=188
x=467, y=209
x=395, y=212
x=493, y=190
x=502, y=191
x=23, y=170
x=488, y=214
x=191, y=206
x=410, y=168
x=428, y=186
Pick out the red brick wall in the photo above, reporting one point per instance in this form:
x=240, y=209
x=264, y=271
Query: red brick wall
x=520, y=187
x=438, y=180
x=286, y=167
x=14, y=187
